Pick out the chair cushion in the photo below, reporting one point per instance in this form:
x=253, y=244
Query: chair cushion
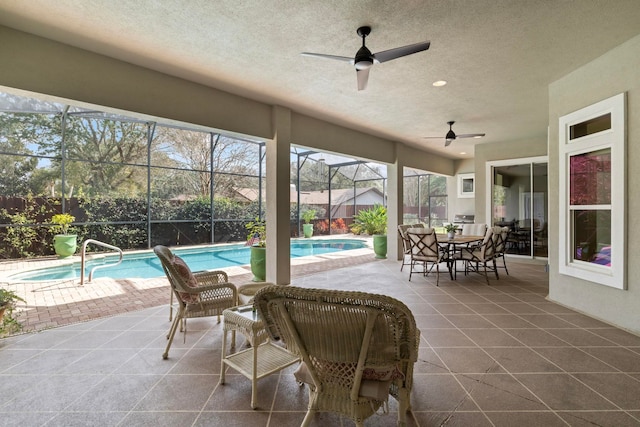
x=374, y=385
x=382, y=373
x=183, y=270
x=374, y=389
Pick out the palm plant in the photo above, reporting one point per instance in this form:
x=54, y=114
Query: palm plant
x=371, y=221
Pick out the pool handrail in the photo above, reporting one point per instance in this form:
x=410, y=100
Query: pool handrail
x=84, y=253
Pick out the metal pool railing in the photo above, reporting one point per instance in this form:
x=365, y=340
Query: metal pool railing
x=84, y=253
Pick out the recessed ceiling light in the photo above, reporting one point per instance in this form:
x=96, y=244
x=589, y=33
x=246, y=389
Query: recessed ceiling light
x=439, y=83
x=478, y=136
x=463, y=152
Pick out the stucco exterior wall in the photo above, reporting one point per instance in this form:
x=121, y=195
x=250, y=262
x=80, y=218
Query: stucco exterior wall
x=615, y=72
x=460, y=205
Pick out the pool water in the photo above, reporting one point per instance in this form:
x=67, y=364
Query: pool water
x=147, y=265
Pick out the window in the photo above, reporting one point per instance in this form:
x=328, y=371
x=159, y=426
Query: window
x=466, y=185
x=592, y=190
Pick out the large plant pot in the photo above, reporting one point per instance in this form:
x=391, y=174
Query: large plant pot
x=65, y=244
x=258, y=263
x=380, y=245
x=307, y=230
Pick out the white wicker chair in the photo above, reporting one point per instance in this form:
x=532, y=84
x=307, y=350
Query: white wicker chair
x=199, y=294
x=356, y=348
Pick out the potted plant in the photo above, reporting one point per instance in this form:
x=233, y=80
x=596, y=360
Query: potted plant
x=374, y=223
x=65, y=244
x=451, y=230
x=8, y=323
x=257, y=239
x=308, y=216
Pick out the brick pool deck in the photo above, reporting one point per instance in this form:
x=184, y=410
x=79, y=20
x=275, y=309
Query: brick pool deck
x=63, y=302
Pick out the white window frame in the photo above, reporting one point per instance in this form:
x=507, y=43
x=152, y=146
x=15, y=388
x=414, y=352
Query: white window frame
x=615, y=140
x=463, y=177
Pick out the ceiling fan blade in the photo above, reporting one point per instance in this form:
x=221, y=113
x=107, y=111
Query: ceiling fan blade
x=471, y=135
x=322, y=55
x=363, y=78
x=448, y=142
x=388, y=55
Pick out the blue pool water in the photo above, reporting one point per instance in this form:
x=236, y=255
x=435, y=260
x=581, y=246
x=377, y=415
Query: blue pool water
x=147, y=265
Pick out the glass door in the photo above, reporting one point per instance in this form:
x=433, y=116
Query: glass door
x=540, y=209
x=520, y=201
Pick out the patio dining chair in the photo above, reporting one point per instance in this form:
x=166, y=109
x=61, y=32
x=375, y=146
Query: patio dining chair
x=406, y=245
x=482, y=254
x=500, y=236
x=356, y=348
x=200, y=294
x=474, y=229
x=424, y=251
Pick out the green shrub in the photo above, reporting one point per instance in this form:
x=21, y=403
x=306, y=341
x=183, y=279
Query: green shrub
x=370, y=221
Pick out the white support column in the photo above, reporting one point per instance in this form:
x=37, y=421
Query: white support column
x=395, y=197
x=278, y=198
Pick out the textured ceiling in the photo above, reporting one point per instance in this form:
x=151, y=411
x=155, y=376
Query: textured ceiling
x=498, y=56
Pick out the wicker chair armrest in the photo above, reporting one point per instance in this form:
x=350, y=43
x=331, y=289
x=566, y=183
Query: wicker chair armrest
x=210, y=277
x=208, y=281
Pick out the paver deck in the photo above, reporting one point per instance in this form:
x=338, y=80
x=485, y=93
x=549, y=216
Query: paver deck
x=59, y=303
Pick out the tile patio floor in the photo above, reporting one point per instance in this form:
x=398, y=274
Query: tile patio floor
x=499, y=355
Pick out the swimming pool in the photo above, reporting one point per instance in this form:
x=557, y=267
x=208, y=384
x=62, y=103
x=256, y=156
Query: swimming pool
x=147, y=265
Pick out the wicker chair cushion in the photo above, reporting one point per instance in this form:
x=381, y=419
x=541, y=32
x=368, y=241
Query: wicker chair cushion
x=374, y=385
x=382, y=374
x=188, y=279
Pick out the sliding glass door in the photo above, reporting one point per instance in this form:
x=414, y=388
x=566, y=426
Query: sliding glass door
x=519, y=200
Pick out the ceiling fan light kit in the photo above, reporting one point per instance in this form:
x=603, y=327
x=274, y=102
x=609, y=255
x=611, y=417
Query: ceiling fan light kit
x=451, y=135
x=364, y=59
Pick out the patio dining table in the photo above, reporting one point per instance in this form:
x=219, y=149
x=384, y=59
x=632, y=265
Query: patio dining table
x=450, y=246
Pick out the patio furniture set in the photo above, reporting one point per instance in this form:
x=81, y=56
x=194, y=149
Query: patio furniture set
x=354, y=349
x=477, y=248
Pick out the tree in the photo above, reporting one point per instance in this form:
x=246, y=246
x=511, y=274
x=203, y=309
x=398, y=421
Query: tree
x=22, y=134
x=192, y=150
x=314, y=175
x=102, y=155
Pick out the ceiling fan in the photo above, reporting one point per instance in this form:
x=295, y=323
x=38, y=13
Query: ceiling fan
x=364, y=59
x=451, y=135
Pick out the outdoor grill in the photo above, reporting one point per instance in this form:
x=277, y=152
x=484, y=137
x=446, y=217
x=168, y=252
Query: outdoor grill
x=463, y=219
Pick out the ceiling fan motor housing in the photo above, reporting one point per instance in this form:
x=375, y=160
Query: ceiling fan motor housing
x=363, y=59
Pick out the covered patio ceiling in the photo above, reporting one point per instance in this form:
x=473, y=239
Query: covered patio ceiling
x=498, y=56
